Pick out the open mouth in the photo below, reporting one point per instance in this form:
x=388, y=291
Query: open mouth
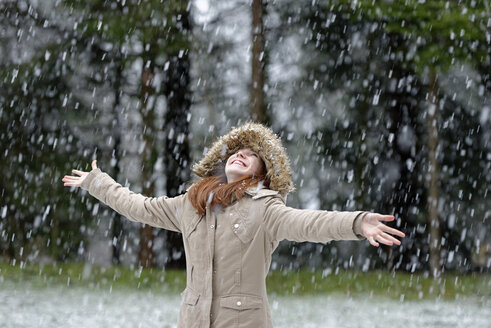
x=239, y=162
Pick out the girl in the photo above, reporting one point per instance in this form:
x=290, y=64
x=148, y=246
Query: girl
x=231, y=222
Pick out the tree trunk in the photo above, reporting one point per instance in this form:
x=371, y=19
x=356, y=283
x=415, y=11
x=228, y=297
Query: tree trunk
x=404, y=195
x=146, y=255
x=54, y=235
x=117, y=225
x=258, y=107
x=433, y=173
x=176, y=156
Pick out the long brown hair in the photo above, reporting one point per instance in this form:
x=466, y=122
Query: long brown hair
x=216, y=191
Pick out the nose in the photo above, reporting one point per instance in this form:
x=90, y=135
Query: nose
x=239, y=154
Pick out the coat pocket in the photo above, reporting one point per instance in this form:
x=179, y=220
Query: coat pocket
x=192, y=226
x=241, y=302
x=242, y=230
x=241, y=311
x=190, y=314
x=189, y=296
x=242, y=225
x=195, y=238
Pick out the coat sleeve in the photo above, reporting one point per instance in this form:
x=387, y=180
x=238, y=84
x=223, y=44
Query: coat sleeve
x=162, y=212
x=283, y=222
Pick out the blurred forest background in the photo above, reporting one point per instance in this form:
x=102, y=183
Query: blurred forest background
x=383, y=106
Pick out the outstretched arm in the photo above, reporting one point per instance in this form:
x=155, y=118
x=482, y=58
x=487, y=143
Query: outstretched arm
x=283, y=222
x=162, y=212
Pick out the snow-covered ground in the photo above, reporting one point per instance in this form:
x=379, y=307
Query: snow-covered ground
x=23, y=306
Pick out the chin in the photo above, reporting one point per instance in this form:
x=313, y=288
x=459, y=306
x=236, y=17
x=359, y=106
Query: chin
x=234, y=175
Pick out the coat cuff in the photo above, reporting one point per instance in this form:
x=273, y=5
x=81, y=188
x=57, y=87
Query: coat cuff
x=357, y=225
x=88, y=179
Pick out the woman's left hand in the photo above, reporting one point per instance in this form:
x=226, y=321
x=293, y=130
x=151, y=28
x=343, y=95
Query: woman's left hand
x=73, y=181
x=374, y=230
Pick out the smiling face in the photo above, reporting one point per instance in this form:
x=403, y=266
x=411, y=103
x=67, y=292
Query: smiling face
x=243, y=162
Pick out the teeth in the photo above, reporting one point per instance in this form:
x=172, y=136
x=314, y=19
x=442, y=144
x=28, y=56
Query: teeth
x=238, y=162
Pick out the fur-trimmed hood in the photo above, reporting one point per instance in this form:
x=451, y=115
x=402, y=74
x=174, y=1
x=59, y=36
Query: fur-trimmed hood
x=260, y=139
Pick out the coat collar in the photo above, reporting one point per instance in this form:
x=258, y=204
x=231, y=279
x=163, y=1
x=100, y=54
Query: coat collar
x=257, y=193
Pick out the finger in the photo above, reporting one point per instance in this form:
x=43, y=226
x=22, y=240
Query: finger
x=384, y=240
x=385, y=217
x=393, y=231
x=372, y=241
x=389, y=237
x=70, y=178
x=94, y=164
x=78, y=172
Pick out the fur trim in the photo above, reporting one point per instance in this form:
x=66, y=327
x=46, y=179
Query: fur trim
x=263, y=141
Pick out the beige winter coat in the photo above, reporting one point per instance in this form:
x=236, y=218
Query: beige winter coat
x=228, y=252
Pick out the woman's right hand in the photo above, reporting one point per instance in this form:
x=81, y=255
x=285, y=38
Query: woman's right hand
x=73, y=181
